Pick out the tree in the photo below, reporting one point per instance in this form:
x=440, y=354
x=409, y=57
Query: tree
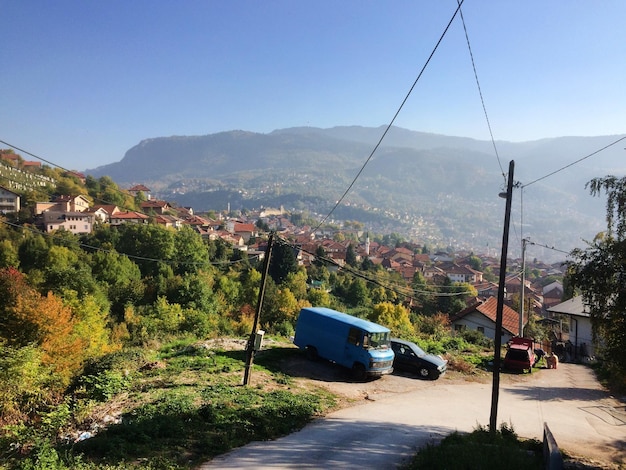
x=191, y=252
x=283, y=262
x=599, y=273
x=320, y=254
x=357, y=293
x=394, y=317
x=8, y=254
x=351, y=255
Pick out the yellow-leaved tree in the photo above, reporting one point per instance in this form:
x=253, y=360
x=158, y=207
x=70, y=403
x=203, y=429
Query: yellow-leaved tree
x=393, y=316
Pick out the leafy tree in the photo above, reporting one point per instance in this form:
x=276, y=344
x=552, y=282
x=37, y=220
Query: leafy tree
x=250, y=284
x=319, y=298
x=475, y=262
x=152, y=245
x=91, y=325
x=8, y=254
x=357, y=293
x=320, y=254
x=219, y=250
x=69, y=186
x=45, y=321
x=351, y=255
x=33, y=251
x=296, y=283
x=66, y=270
x=599, y=273
x=283, y=262
x=394, y=317
x=191, y=253
x=25, y=383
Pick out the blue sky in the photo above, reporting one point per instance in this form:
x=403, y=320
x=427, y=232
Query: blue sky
x=84, y=81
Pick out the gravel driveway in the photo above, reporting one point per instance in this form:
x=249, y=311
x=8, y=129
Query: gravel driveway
x=394, y=416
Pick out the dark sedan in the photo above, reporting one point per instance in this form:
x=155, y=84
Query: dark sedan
x=411, y=358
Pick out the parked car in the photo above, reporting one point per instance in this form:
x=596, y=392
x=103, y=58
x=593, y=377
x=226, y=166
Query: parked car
x=411, y=358
x=520, y=355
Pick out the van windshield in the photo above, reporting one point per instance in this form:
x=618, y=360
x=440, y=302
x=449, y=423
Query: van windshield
x=376, y=341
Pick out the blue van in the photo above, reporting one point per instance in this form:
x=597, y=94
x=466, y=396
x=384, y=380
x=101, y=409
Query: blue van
x=360, y=345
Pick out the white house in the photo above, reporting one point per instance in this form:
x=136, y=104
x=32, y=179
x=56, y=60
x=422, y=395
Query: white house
x=580, y=331
x=9, y=201
x=75, y=222
x=482, y=317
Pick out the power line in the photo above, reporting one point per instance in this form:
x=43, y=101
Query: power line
x=404, y=291
x=382, y=137
x=577, y=161
x=469, y=47
x=139, y=258
x=35, y=156
x=548, y=247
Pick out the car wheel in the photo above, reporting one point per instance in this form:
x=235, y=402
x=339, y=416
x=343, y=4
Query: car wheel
x=358, y=371
x=424, y=372
x=311, y=353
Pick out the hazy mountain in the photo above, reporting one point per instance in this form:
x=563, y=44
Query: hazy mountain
x=438, y=189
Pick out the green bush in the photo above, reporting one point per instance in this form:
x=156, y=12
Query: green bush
x=476, y=337
x=105, y=385
x=481, y=449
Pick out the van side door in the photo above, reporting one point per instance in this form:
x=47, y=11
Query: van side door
x=354, y=346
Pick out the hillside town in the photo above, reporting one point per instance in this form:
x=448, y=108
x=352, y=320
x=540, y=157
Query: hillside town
x=247, y=232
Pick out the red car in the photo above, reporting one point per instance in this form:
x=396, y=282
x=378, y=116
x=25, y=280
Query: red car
x=520, y=355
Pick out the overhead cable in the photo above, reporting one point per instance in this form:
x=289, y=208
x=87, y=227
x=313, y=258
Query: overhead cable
x=469, y=47
x=382, y=137
x=577, y=161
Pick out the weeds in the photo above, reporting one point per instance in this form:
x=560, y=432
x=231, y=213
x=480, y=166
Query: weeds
x=481, y=449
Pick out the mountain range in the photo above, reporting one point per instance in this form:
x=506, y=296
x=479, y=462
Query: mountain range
x=438, y=190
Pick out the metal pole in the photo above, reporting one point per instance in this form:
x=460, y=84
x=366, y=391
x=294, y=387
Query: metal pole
x=521, y=308
x=495, y=390
x=257, y=315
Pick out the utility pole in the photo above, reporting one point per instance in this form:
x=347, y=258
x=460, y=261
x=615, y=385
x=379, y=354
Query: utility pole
x=521, y=302
x=250, y=347
x=495, y=390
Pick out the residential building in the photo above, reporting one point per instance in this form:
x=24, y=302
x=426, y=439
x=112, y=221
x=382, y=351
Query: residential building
x=75, y=222
x=482, y=317
x=124, y=217
x=580, y=328
x=63, y=204
x=9, y=201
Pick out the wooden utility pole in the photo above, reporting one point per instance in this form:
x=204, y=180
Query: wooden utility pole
x=497, y=341
x=259, y=305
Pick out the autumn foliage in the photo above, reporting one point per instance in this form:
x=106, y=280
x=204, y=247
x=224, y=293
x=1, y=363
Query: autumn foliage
x=29, y=318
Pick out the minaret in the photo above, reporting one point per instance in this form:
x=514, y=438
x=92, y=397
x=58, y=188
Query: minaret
x=367, y=244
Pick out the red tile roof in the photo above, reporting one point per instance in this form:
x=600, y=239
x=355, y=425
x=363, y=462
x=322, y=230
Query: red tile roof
x=510, y=318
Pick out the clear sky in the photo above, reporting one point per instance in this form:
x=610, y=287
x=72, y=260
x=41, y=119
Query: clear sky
x=84, y=81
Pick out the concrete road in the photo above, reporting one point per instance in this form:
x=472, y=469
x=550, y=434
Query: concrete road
x=387, y=429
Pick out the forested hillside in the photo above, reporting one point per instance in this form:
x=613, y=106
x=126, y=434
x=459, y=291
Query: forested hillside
x=432, y=188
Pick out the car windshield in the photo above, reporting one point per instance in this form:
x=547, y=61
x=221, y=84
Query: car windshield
x=377, y=340
x=419, y=351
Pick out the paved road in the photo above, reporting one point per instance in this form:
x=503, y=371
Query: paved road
x=385, y=431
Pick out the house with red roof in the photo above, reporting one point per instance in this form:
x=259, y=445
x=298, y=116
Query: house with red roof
x=158, y=207
x=482, y=317
x=125, y=217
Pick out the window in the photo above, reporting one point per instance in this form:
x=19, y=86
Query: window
x=481, y=329
x=354, y=336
